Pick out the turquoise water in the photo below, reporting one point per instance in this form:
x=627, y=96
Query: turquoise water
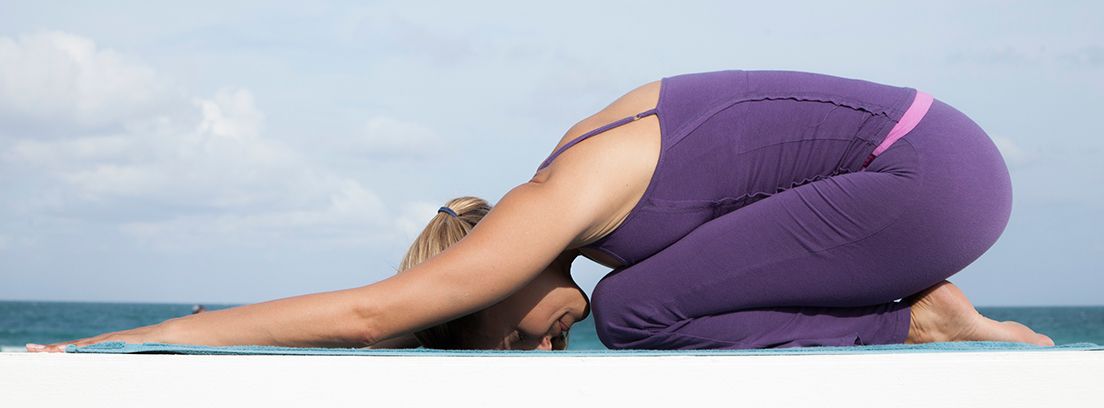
x=47, y=322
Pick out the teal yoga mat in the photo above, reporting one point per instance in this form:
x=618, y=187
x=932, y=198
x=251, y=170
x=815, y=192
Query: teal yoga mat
x=958, y=346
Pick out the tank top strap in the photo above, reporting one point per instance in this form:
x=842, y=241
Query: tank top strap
x=596, y=131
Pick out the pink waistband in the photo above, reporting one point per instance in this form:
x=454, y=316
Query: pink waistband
x=912, y=116
x=920, y=104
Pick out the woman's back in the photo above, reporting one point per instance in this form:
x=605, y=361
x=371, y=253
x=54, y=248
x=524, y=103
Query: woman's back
x=725, y=139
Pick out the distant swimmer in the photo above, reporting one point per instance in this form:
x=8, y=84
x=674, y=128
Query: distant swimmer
x=198, y=309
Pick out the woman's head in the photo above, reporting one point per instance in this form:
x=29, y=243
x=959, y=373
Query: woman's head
x=537, y=316
x=534, y=317
x=444, y=229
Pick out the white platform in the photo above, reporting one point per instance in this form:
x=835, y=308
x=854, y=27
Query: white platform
x=983, y=379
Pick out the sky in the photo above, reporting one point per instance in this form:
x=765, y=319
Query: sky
x=236, y=152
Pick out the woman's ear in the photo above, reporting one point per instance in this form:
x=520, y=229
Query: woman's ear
x=406, y=341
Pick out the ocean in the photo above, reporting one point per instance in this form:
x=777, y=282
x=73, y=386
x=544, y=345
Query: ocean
x=24, y=322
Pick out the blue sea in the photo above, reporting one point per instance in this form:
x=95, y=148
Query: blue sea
x=24, y=322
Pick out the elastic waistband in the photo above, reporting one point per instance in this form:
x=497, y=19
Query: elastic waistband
x=920, y=104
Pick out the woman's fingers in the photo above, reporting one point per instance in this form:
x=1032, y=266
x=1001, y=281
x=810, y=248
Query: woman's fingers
x=59, y=347
x=154, y=333
x=45, y=348
x=35, y=348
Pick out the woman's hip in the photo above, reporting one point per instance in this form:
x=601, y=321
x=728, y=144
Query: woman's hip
x=962, y=197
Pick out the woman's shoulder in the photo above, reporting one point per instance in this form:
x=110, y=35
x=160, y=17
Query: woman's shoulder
x=640, y=99
x=612, y=169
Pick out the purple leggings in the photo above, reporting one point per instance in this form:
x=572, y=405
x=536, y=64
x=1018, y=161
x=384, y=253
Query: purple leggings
x=824, y=262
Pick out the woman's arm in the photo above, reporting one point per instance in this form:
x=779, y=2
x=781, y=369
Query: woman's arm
x=528, y=228
x=327, y=319
x=403, y=342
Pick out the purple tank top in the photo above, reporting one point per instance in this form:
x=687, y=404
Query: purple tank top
x=730, y=138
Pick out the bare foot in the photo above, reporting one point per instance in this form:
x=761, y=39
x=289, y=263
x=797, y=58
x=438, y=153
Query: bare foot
x=942, y=313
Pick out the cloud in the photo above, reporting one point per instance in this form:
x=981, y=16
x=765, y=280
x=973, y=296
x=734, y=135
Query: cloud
x=56, y=79
x=1091, y=56
x=388, y=138
x=382, y=30
x=184, y=172
x=1014, y=155
x=213, y=157
x=352, y=216
x=413, y=218
x=1010, y=54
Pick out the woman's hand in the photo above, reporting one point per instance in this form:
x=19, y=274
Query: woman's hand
x=146, y=334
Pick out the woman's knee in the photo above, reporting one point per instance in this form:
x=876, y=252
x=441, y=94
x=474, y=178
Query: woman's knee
x=622, y=316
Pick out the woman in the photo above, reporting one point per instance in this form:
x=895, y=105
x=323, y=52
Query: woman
x=738, y=209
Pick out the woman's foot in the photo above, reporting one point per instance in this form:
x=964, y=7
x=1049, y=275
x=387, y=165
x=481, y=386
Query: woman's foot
x=942, y=313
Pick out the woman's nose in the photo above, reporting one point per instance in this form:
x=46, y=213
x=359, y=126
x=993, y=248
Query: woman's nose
x=546, y=343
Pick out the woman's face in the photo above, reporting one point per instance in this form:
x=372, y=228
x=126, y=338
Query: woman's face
x=537, y=316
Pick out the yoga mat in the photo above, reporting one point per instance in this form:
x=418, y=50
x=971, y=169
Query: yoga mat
x=958, y=346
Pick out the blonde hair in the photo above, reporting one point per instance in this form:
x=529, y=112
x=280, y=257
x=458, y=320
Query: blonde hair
x=443, y=231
